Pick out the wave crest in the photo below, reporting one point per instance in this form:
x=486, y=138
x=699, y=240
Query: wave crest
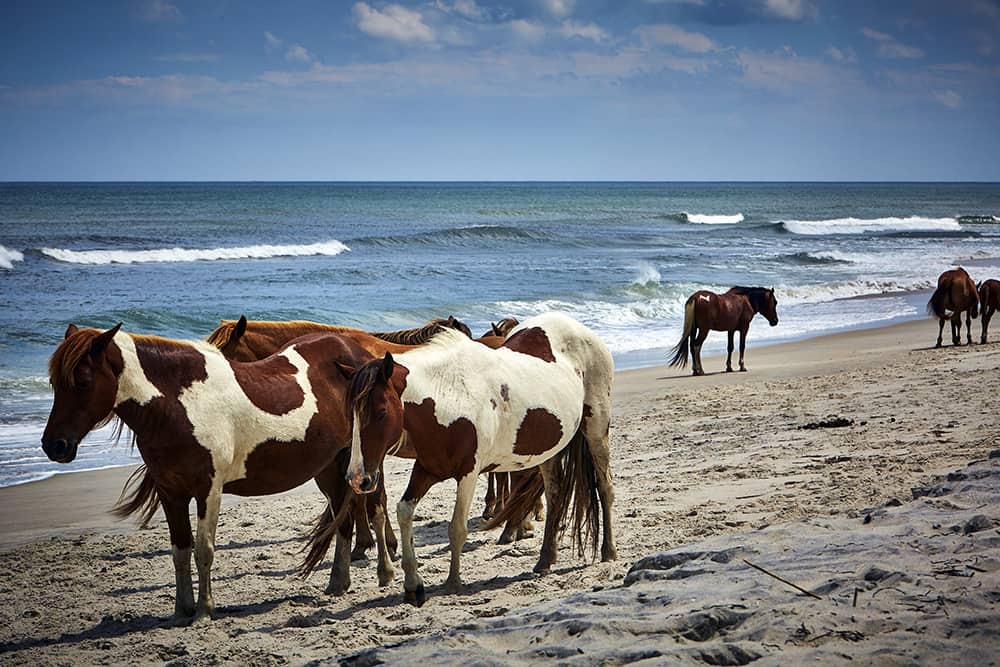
x=706, y=219
x=329, y=248
x=979, y=219
x=8, y=257
x=863, y=225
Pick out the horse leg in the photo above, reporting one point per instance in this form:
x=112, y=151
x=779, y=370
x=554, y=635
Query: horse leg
x=489, y=509
x=956, y=329
x=968, y=327
x=940, y=331
x=391, y=543
x=743, y=347
x=696, y=344
x=363, y=540
x=547, y=555
x=420, y=482
x=458, y=531
x=987, y=315
x=331, y=482
x=729, y=352
x=385, y=570
x=179, y=524
x=595, y=429
x=204, y=550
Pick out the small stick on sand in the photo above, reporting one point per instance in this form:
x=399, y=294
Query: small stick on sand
x=784, y=581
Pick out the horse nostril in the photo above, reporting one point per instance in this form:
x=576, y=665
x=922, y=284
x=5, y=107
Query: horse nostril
x=367, y=483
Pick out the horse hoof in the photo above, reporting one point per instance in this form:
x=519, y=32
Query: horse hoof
x=609, y=554
x=453, y=587
x=542, y=568
x=336, y=590
x=417, y=597
x=358, y=554
x=385, y=578
x=743, y=370
x=505, y=538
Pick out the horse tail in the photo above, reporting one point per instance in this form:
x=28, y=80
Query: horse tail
x=935, y=306
x=138, y=495
x=520, y=501
x=680, y=351
x=319, y=538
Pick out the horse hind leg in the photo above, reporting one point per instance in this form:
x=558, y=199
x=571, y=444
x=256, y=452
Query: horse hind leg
x=987, y=315
x=729, y=352
x=551, y=477
x=968, y=327
x=956, y=329
x=696, y=344
x=596, y=431
x=940, y=331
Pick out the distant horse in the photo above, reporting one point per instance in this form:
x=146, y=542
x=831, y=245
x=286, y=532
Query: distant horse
x=542, y=399
x=956, y=293
x=707, y=311
x=244, y=340
x=205, y=425
x=989, y=300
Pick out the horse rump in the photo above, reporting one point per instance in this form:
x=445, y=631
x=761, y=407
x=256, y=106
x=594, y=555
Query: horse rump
x=680, y=351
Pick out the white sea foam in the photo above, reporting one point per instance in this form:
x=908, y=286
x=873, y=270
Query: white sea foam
x=794, y=294
x=862, y=225
x=646, y=274
x=704, y=219
x=193, y=254
x=8, y=257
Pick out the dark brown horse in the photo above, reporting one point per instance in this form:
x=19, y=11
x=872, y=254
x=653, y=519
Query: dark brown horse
x=707, y=311
x=956, y=293
x=206, y=425
x=989, y=301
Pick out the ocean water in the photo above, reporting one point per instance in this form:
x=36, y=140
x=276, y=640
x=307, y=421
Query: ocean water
x=175, y=258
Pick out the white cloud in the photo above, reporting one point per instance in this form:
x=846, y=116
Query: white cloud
x=393, y=22
x=559, y=8
x=665, y=33
x=271, y=41
x=466, y=8
x=297, y=53
x=159, y=10
x=527, y=30
x=590, y=31
x=948, y=98
x=790, y=10
x=889, y=47
x=846, y=56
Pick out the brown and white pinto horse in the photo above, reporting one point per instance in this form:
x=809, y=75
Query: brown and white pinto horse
x=206, y=426
x=956, y=293
x=707, y=311
x=989, y=301
x=542, y=399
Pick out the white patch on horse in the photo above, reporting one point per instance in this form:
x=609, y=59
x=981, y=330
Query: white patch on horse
x=132, y=383
x=705, y=297
x=230, y=442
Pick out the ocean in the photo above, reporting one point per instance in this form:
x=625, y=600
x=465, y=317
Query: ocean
x=175, y=258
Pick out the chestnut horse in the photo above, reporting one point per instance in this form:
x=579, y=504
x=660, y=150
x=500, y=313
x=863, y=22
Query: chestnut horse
x=243, y=340
x=956, y=293
x=707, y=311
x=542, y=399
x=989, y=301
x=206, y=425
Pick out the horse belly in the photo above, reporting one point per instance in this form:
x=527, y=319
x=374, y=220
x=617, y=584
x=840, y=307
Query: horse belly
x=274, y=467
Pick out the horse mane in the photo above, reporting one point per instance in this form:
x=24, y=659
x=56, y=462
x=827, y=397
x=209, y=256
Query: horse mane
x=423, y=334
x=362, y=383
x=222, y=334
x=754, y=294
x=68, y=355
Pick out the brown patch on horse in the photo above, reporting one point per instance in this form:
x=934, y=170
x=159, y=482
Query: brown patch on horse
x=267, y=469
x=426, y=434
x=533, y=342
x=188, y=363
x=270, y=385
x=538, y=433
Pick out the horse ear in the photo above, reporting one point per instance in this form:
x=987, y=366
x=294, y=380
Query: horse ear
x=388, y=365
x=70, y=330
x=496, y=328
x=239, y=329
x=100, y=343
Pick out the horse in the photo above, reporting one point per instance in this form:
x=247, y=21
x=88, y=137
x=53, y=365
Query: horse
x=205, y=426
x=989, y=301
x=707, y=311
x=244, y=340
x=542, y=399
x=956, y=293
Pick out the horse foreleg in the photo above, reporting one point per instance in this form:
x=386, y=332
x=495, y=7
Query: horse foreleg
x=179, y=524
x=547, y=555
x=391, y=543
x=729, y=352
x=204, y=551
x=987, y=315
x=968, y=327
x=458, y=530
x=420, y=482
x=490, y=509
x=385, y=569
x=363, y=540
x=743, y=348
x=940, y=331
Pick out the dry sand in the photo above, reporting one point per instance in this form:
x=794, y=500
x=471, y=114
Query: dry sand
x=722, y=458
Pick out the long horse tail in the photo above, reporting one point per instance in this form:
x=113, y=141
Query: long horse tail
x=138, y=495
x=319, y=538
x=520, y=501
x=680, y=351
x=935, y=306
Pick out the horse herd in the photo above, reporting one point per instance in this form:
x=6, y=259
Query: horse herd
x=261, y=407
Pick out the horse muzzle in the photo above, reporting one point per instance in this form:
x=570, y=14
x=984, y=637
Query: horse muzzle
x=60, y=450
x=363, y=483
x=773, y=322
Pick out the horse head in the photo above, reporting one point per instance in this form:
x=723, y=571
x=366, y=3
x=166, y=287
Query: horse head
x=377, y=412
x=229, y=338
x=454, y=323
x=769, y=307
x=84, y=374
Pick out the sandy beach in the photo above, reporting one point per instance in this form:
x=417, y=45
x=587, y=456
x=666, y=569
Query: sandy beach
x=839, y=440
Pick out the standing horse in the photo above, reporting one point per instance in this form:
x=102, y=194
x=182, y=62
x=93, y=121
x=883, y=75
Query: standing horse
x=956, y=293
x=707, y=311
x=989, y=301
x=205, y=425
x=542, y=399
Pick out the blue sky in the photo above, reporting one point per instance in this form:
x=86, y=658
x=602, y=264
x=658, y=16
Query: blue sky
x=505, y=90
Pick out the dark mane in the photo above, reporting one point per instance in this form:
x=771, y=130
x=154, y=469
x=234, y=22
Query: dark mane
x=754, y=294
x=68, y=356
x=362, y=383
x=420, y=335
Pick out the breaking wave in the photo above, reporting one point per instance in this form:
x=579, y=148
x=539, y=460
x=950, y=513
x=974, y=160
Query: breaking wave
x=329, y=248
x=8, y=257
x=705, y=219
x=979, y=219
x=862, y=225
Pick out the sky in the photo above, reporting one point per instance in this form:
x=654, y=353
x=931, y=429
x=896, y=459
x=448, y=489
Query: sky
x=500, y=90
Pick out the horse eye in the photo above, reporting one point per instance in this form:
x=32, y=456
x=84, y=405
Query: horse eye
x=381, y=414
